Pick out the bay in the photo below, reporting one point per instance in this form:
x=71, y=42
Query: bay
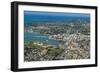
x=35, y=36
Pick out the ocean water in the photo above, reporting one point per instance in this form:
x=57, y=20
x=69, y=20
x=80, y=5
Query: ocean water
x=34, y=36
x=40, y=16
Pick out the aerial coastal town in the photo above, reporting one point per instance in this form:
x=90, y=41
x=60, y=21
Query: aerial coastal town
x=57, y=41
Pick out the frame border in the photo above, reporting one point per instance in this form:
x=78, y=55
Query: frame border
x=14, y=35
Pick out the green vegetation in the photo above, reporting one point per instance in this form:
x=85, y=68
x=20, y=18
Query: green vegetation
x=68, y=28
x=55, y=51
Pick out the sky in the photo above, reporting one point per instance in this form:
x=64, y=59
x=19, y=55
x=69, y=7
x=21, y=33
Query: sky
x=41, y=16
